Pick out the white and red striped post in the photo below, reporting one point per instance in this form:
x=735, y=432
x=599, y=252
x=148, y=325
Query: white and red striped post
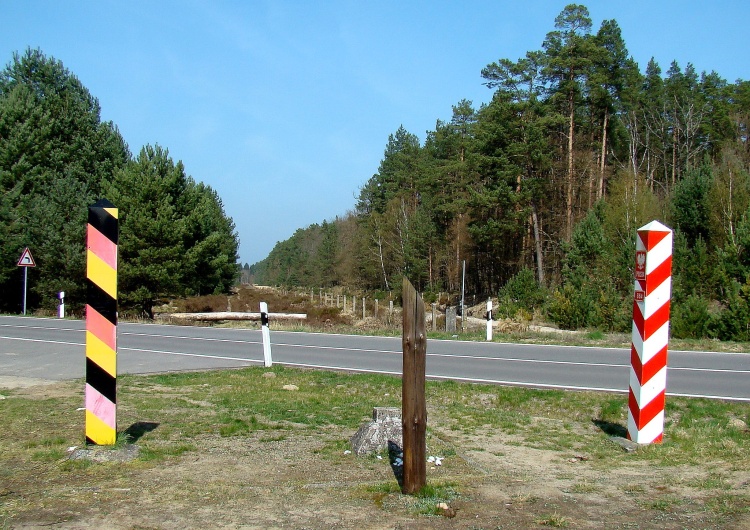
x=648, y=355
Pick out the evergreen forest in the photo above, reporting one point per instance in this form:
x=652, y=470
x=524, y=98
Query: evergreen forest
x=540, y=192
x=57, y=158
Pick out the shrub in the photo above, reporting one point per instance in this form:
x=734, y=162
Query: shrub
x=734, y=320
x=212, y=303
x=612, y=312
x=690, y=318
x=521, y=293
x=571, y=308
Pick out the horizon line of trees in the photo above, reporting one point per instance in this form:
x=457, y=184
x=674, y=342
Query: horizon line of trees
x=56, y=159
x=542, y=189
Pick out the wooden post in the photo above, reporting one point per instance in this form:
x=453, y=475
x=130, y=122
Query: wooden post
x=414, y=408
x=363, y=307
x=434, y=319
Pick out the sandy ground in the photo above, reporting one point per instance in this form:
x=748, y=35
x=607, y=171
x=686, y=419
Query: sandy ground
x=296, y=478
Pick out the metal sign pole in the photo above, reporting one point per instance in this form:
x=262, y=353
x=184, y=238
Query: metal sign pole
x=25, y=277
x=463, y=285
x=25, y=261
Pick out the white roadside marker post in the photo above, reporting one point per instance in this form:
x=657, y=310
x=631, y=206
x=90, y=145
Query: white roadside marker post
x=267, y=361
x=489, y=320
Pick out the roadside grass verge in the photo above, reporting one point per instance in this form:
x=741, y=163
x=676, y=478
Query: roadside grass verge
x=475, y=333
x=169, y=416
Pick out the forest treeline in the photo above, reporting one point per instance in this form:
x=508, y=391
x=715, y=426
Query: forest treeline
x=56, y=159
x=541, y=190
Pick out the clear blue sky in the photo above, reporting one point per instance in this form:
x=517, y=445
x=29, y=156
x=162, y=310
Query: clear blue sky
x=285, y=107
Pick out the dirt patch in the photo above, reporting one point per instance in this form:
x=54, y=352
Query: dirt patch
x=306, y=478
x=11, y=381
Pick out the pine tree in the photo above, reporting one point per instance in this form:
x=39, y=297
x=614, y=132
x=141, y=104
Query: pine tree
x=151, y=229
x=569, y=58
x=54, y=154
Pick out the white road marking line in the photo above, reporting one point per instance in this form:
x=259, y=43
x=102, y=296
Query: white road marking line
x=44, y=341
x=202, y=355
x=503, y=382
x=430, y=376
x=390, y=352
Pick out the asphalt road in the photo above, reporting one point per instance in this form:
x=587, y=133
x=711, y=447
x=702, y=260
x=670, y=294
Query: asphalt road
x=52, y=349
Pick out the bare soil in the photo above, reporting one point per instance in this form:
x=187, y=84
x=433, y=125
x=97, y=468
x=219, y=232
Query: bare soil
x=296, y=478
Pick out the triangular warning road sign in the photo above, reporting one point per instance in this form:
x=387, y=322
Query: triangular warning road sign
x=26, y=259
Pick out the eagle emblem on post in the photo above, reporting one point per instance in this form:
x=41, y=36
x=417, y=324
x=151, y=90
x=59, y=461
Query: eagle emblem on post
x=640, y=265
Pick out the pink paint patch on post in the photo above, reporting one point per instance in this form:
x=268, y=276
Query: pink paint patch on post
x=101, y=328
x=100, y=406
x=100, y=245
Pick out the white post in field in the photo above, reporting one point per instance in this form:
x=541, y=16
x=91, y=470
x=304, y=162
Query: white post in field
x=265, y=331
x=489, y=320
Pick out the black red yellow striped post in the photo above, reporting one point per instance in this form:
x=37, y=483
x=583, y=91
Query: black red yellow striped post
x=101, y=324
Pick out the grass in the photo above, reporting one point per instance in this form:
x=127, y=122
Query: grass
x=585, y=487
x=168, y=415
x=233, y=403
x=427, y=499
x=554, y=520
x=595, y=335
x=424, y=502
x=592, y=338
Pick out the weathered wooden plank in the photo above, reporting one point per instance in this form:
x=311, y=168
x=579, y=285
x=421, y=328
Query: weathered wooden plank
x=414, y=408
x=231, y=315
